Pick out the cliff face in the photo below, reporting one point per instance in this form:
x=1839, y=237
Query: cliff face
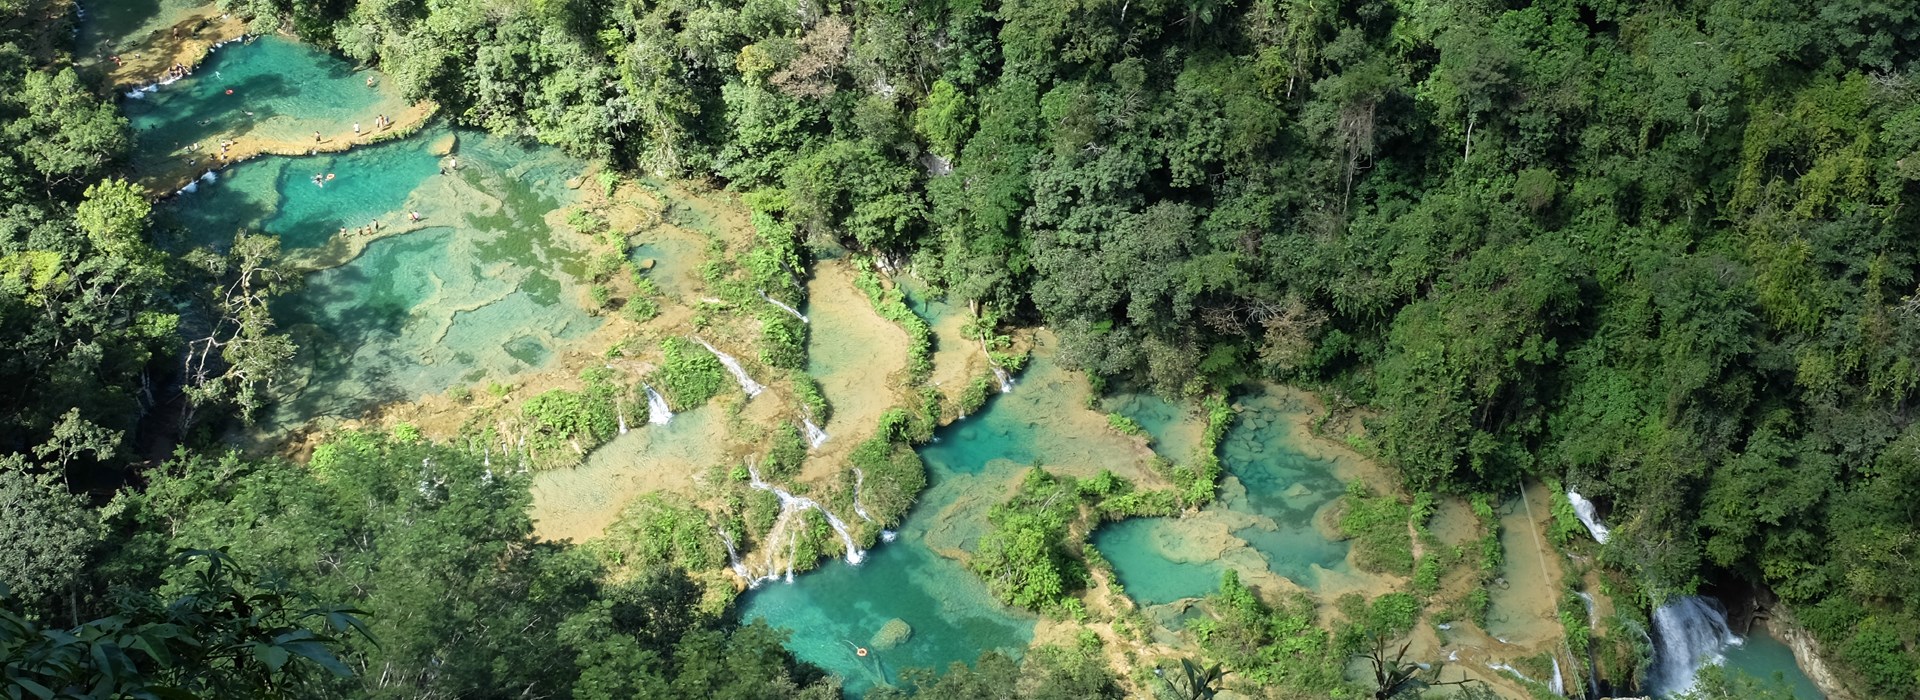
x=1807, y=653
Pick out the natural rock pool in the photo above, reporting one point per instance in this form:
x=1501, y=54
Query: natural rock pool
x=479, y=290
x=474, y=290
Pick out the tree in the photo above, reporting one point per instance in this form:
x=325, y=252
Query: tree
x=250, y=353
x=228, y=635
x=62, y=130
x=47, y=535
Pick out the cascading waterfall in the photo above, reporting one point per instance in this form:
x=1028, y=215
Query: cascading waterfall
x=1688, y=633
x=622, y=414
x=1559, y=684
x=776, y=302
x=733, y=558
x=1503, y=666
x=209, y=176
x=790, y=504
x=747, y=384
x=1588, y=516
x=815, y=436
x=657, y=411
x=1006, y=380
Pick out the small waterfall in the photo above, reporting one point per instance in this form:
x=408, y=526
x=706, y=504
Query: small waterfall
x=1503, y=666
x=1588, y=516
x=776, y=302
x=815, y=436
x=622, y=413
x=733, y=557
x=747, y=384
x=191, y=188
x=889, y=535
x=1588, y=599
x=209, y=176
x=1559, y=684
x=858, y=479
x=1688, y=633
x=657, y=411
x=1006, y=380
x=790, y=503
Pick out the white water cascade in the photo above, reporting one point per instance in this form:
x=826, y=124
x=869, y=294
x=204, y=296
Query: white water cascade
x=1688, y=633
x=657, y=411
x=622, y=414
x=1006, y=380
x=815, y=436
x=776, y=302
x=1588, y=516
x=1559, y=684
x=747, y=384
x=733, y=557
x=791, y=504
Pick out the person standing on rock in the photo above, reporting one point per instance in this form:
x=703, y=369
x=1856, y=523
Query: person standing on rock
x=316, y=137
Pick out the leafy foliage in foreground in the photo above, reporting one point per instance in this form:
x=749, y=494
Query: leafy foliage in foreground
x=227, y=635
x=438, y=552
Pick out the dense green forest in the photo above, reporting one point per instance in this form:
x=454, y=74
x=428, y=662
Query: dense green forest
x=1651, y=249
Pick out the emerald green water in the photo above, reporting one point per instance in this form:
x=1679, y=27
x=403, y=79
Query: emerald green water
x=1280, y=486
x=479, y=294
x=1769, y=660
x=473, y=292
x=1142, y=553
x=1174, y=436
x=970, y=467
x=277, y=195
x=283, y=91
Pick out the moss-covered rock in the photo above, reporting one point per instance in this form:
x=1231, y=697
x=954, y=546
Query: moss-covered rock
x=895, y=633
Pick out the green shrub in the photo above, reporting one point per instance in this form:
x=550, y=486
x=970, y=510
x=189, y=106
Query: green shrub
x=640, y=309
x=810, y=393
x=652, y=531
x=1023, y=558
x=1378, y=525
x=1426, y=576
x=689, y=375
x=783, y=340
x=975, y=395
x=561, y=417
x=788, y=451
x=894, y=477
x=1125, y=426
